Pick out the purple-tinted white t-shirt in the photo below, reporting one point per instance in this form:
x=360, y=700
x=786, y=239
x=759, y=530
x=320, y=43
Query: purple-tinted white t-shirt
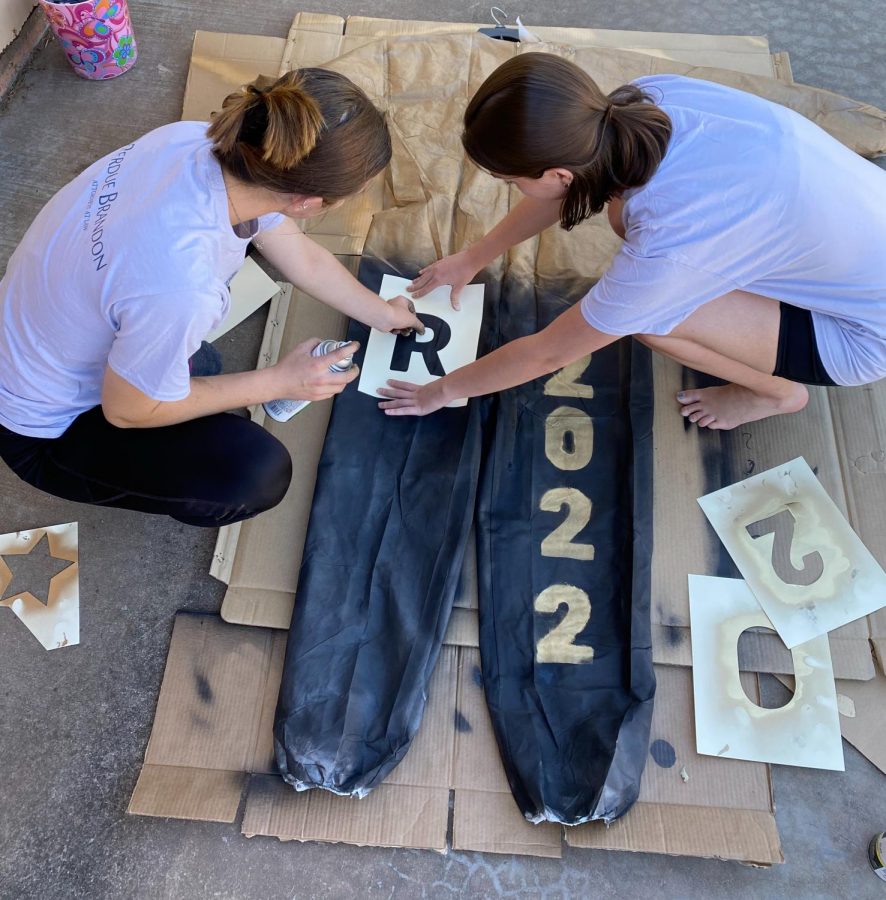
x=752, y=195
x=127, y=265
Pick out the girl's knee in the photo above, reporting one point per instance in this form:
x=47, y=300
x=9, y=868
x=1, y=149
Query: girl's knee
x=267, y=475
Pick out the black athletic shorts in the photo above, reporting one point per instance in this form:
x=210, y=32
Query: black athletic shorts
x=798, y=358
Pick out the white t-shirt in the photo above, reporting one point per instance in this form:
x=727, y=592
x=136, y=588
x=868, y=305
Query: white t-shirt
x=752, y=195
x=127, y=266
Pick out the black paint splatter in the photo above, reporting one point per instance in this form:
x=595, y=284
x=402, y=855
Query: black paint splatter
x=663, y=753
x=204, y=691
x=674, y=635
x=462, y=724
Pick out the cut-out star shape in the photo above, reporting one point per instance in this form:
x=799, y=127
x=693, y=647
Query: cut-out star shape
x=31, y=572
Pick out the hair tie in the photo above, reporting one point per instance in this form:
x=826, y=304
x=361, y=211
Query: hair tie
x=255, y=123
x=607, y=115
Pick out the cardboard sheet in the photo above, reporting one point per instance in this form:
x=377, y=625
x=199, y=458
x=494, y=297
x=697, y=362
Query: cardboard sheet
x=220, y=63
x=316, y=38
x=444, y=347
x=211, y=741
x=804, y=732
x=724, y=809
x=859, y=418
x=260, y=558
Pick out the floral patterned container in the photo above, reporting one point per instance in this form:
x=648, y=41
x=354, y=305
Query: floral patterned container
x=96, y=36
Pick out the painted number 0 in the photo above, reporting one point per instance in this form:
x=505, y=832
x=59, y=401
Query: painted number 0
x=569, y=438
x=558, y=646
x=559, y=542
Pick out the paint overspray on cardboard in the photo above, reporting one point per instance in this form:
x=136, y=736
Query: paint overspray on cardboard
x=804, y=732
x=55, y=623
x=809, y=570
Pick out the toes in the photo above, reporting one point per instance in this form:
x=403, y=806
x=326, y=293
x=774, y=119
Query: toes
x=691, y=408
x=706, y=421
x=688, y=397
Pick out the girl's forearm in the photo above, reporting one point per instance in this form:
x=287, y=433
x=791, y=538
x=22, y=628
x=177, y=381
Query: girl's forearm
x=527, y=218
x=566, y=339
x=207, y=396
x=514, y=363
x=317, y=272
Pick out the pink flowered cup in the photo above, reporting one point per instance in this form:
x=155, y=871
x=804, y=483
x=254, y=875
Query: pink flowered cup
x=96, y=36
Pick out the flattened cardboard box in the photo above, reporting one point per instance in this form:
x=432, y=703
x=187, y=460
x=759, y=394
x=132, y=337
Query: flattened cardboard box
x=220, y=63
x=859, y=417
x=656, y=823
x=315, y=38
x=212, y=731
x=212, y=739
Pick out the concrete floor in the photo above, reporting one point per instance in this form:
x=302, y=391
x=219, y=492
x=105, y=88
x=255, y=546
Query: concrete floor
x=74, y=723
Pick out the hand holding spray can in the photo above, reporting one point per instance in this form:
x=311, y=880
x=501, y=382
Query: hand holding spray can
x=284, y=410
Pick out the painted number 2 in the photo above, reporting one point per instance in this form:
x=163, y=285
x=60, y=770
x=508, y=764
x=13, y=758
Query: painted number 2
x=558, y=646
x=565, y=383
x=559, y=542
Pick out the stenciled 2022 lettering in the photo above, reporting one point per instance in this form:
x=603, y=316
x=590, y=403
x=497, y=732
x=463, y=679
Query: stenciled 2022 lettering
x=569, y=445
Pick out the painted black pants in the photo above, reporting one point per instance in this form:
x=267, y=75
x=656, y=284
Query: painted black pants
x=210, y=471
x=564, y=593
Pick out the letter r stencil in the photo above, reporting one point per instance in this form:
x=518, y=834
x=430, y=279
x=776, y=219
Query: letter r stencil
x=450, y=339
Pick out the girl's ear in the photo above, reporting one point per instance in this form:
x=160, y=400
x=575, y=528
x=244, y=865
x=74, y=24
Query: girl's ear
x=564, y=176
x=301, y=207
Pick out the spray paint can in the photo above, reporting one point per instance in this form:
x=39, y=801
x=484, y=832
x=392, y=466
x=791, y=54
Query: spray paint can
x=877, y=855
x=284, y=410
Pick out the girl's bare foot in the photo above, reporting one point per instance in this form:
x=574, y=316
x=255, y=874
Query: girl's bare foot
x=722, y=408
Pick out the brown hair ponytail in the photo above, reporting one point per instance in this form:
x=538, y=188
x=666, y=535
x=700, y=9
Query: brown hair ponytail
x=311, y=132
x=538, y=111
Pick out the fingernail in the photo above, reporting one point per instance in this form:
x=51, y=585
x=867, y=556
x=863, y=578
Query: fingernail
x=411, y=307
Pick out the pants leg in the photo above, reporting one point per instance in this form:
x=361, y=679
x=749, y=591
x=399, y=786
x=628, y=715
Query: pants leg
x=209, y=471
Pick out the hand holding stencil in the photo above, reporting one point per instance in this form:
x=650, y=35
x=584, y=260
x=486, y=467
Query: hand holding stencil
x=449, y=342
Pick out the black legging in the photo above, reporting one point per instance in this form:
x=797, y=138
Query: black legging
x=210, y=471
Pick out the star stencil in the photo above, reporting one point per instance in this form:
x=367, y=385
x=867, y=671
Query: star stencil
x=32, y=572
x=40, y=582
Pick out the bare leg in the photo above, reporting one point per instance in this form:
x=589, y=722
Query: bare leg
x=734, y=337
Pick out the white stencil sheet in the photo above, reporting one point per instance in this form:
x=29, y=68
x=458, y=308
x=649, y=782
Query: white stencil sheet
x=449, y=347
x=804, y=732
x=805, y=565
